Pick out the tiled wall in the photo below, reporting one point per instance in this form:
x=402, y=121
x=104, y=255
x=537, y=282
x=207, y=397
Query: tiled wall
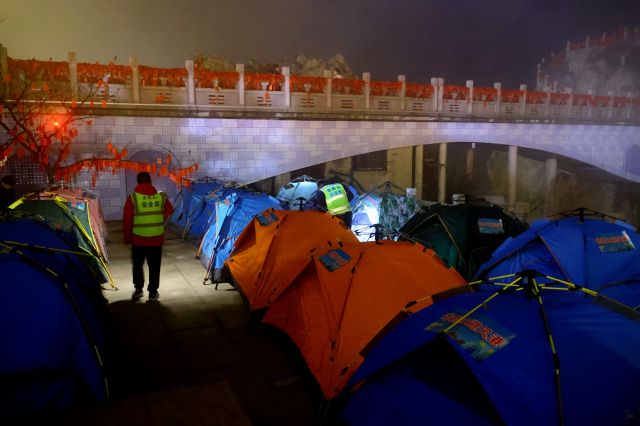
x=248, y=150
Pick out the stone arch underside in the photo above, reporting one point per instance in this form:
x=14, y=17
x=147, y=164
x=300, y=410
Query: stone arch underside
x=250, y=150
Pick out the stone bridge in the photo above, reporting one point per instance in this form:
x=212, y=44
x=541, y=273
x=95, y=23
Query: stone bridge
x=246, y=127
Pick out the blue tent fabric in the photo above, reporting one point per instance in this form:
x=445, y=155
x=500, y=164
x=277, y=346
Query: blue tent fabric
x=234, y=209
x=54, y=324
x=597, y=350
x=568, y=249
x=192, y=207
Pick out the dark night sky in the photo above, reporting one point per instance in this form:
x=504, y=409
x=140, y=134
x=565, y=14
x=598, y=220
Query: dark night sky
x=483, y=40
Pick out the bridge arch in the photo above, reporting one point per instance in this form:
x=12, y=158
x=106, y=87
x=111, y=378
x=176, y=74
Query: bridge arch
x=248, y=150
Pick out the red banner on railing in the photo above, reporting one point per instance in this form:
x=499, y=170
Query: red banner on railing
x=216, y=79
x=384, y=88
x=559, y=98
x=511, y=96
x=256, y=81
x=151, y=76
x=302, y=84
x=107, y=73
x=347, y=87
x=419, y=91
x=456, y=93
x=33, y=70
x=536, y=98
x=484, y=94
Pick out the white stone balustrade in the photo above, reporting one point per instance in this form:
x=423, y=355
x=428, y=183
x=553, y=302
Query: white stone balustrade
x=345, y=96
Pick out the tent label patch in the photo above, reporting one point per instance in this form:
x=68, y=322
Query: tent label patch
x=334, y=259
x=268, y=219
x=614, y=242
x=490, y=226
x=477, y=334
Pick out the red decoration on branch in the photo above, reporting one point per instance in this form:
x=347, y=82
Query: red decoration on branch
x=103, y=164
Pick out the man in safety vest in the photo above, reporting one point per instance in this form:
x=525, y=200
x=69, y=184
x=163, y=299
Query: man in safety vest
x=332, y=197
x=145, y=213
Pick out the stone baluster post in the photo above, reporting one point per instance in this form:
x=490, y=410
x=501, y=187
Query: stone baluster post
x=570, y=102
x=498, y=101
x=523, y=100
x=135, y=79
x=440, y=94
x=287, y=86
x=610, y=106
x=191, y=82
x=241, y=95
x=512, y=176
x=366, y=76
x=327, y=88
x=470, y=97
x=442, y=173
x=629, y=106
x=550, y=173
x=403, y=91
x=73, y=74
x=547, y=103
x=434, y=84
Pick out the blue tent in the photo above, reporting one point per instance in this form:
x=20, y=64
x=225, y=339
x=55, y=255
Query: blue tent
x=234, y=209
x=54, y=324
x=192, y=209
x=295, y=194
x=485, y=357
x=582, y=247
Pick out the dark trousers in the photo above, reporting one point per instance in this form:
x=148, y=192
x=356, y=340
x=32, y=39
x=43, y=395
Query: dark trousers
x=153, y=255
x=346, y=218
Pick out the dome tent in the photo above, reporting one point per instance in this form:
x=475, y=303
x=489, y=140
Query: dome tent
x=53, y=321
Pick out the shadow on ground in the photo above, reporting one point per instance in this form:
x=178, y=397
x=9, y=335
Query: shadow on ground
x=191, y=359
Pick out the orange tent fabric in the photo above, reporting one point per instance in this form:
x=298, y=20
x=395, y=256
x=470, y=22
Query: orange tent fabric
x=276, y=246
x=348, y=295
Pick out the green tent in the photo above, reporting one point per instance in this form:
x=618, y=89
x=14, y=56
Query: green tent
x=72, y=218
x=464, y=235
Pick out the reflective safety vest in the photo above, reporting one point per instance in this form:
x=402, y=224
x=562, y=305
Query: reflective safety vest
x=337, y=200
x=148, y=214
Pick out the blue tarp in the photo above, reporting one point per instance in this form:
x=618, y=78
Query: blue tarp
x=192, y=208
x=234, y=209
x=497, y=366
x=54, y=324
x=594, y=253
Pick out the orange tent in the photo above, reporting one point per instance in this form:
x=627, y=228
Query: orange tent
x=346, y=296
x=276, y=246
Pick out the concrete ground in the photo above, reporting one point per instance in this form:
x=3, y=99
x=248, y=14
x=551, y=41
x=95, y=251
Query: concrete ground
x=191, y=359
